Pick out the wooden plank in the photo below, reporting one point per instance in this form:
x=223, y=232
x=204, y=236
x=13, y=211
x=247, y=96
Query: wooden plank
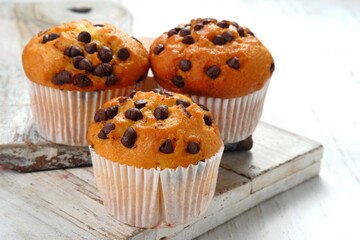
x=37, y=204
x=210, y=221
x=271, y=161
x=285, y=179
x=69, y=198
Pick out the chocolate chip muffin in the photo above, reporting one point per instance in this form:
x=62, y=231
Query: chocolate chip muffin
x=167, y=145
x=84, y=56
x=220, y=64
x=154, y=130
x=75, y=67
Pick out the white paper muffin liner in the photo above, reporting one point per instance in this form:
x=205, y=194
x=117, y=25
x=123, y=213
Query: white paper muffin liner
x=151, y=198
x=63, y=117
x=236, y=118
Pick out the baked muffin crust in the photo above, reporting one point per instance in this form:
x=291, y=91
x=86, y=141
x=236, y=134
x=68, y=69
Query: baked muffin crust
x=211, y=58
x=154, y=130
x=84, y=56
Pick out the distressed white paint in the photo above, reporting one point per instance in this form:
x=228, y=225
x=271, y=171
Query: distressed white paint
x=35, y=204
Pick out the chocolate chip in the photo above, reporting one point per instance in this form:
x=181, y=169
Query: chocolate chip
x=85, y=64
x=84, y=37
x=123, y=99
x=213, y=71
x=123, y=54
x=91, y=48
x=100, y=115
x=183, y=102
x=205, y=22
x=250, y=33
x=98, y=25
x=133, y=114
x=50, y=37
x=136, y=39
x=165, y=93
x=184, y=32
x=241, y=32
x=161, y=112
x=129, y=137
x=102, y=69
x=198, y=26
x=139, y=104
x=105, y=54
x=184, y=65
x=132, y=93
x=203, y=107
x=233, y=63
x=178, y=81
x=61, y=78
x=111, y=80
x=108, y=127
x=140, y=78
x=228, y=36
x=223, y=24
x=272, y=67
x=184, y=110
x=218, y=40
x=80, y=9
x=159, y=48
x=235, y=24
x=166, y=147
x=207, y=119
x=208, y=20
x=102, y=135
x=73, y=51
x=111, y=111
x=178, y=28
x=76, y=61
x=172, y=32
x=53, y=36
x=188, y=39
x=83, y=80
x=193, y=147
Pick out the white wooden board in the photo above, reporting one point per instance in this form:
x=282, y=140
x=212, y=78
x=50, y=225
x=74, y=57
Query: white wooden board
x=62, y=204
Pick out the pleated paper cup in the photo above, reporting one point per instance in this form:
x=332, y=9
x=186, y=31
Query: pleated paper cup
x=236, y=118
x=151, y=198
x=63, y=117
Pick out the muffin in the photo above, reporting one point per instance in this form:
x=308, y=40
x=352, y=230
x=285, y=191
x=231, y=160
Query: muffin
x=155, y=158
x=73, y=69
x=219, y=64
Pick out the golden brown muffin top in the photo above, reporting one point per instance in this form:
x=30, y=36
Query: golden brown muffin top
x=156, y=129
x=211, y=58
x=84, y=56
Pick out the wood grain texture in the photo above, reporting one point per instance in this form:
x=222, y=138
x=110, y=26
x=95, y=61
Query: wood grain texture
x=289, y=154
x=35, y=204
